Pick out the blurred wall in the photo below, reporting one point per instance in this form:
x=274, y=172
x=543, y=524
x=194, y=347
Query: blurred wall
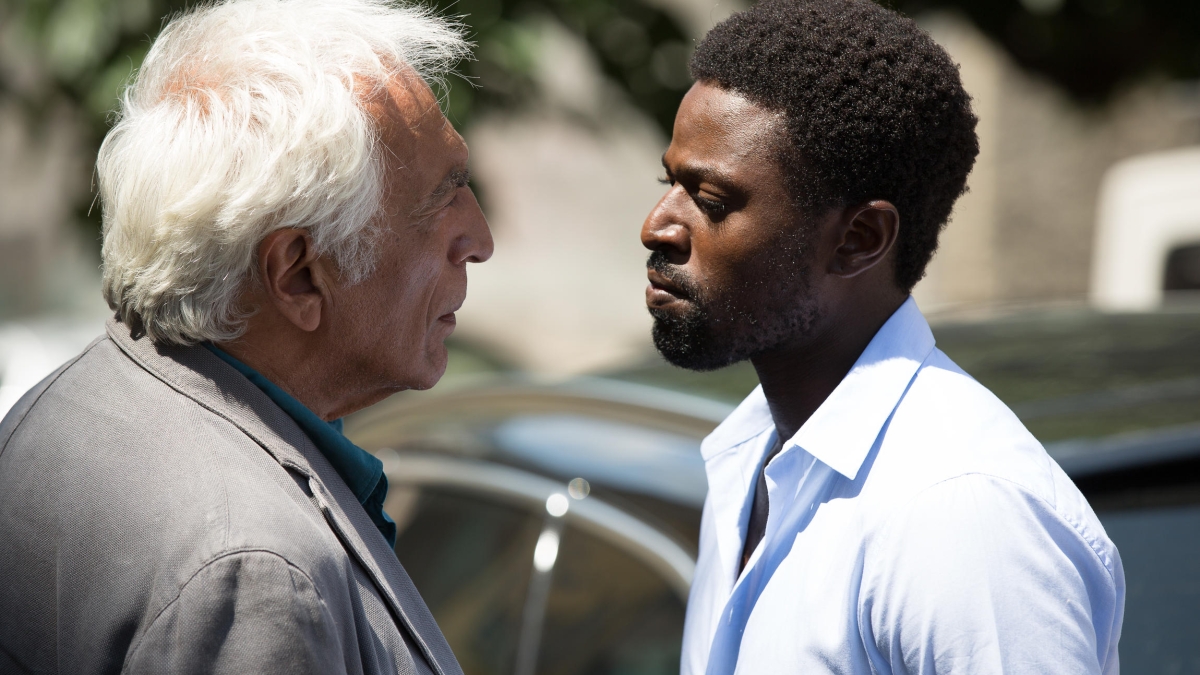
x=46, y=262
x=568, y=182
x=1024, y=233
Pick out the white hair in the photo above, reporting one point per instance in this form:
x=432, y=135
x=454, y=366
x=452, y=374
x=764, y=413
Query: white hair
x=249, y=116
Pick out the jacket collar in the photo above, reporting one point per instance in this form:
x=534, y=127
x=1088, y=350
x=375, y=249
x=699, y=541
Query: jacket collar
x=201, y=376
x=842, y=430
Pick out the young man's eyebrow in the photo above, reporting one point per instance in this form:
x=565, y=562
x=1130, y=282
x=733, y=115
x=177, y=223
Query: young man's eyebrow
x=699, y=173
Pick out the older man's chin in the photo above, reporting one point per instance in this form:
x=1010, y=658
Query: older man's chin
x=435, y=357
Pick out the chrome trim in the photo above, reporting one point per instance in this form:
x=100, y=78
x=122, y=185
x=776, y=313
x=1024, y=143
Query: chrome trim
x=647, y=396
x=410, y=415
x=657, y=550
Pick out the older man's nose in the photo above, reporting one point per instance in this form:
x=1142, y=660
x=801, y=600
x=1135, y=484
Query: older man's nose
x=475, y=244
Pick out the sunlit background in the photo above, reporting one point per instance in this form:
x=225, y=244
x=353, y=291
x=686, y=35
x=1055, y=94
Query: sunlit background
x=1068, y=282
x=1088, y=109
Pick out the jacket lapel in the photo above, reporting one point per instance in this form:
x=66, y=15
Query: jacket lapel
x=201, y=376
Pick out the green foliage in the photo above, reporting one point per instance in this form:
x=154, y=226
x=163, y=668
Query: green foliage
x=84, y=51
x=1091, y=48
x=81, y=50
x=640, y=48
x=87, y=49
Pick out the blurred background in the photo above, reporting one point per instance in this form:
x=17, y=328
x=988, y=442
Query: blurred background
x=1068, y=282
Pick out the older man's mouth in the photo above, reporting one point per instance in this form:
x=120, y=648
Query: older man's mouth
x=449, y=318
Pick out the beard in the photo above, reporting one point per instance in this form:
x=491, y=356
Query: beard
x=767, y=306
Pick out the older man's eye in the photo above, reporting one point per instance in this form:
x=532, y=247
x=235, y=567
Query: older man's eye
x=667, y=180
x=450, y=198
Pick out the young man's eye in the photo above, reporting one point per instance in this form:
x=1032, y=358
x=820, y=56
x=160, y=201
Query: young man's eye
x=711, y=206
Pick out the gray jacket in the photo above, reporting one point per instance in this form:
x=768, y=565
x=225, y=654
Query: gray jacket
x=159, y=514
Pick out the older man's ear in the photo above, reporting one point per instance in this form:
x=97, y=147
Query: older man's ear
x=296, y=282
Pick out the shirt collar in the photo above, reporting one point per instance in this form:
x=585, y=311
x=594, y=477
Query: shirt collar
x=842, y=431
x=360, y=469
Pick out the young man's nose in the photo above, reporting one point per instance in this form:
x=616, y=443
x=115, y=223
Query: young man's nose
x=663, y=229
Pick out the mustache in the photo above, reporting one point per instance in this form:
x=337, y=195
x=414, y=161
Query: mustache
x=677, y=277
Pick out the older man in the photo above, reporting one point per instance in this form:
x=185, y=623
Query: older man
x=287, y=225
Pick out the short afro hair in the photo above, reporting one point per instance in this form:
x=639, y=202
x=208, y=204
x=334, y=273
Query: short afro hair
x=875, y=109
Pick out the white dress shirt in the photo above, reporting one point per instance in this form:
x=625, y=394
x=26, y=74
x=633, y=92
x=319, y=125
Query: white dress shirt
x=915, y=526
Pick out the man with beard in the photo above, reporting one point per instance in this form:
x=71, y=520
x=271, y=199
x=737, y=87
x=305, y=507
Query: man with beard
x=871, y=508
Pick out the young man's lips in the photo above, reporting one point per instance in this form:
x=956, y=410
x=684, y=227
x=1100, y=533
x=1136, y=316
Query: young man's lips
x=661, y=292
x=658, y=296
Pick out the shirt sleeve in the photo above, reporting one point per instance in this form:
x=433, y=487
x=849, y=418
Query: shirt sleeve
x=246, y=612
x=977, y=575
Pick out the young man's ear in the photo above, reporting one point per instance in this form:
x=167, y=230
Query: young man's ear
x=868, y=235
x=295, y=280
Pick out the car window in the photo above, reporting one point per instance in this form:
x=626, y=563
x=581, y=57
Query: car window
x=472, y=557
x=1160, y=550
x=608, y=614
x=1151, y=511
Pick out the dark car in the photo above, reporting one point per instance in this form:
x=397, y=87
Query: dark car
x=552, y=528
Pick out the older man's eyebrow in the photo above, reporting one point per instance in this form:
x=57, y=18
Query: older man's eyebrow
x=457, y=177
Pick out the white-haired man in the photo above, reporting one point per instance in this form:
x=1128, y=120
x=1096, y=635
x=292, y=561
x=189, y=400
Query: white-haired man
x=287, y=225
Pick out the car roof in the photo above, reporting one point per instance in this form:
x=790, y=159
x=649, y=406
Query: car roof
x=1098, y=389
x=630, y=437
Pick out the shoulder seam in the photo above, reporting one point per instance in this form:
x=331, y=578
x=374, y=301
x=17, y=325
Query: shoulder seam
x=1104, y=560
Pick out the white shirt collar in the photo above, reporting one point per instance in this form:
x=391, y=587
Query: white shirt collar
x=842, y=431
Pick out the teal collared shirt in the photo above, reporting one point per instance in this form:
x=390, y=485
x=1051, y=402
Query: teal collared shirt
x=361, y=470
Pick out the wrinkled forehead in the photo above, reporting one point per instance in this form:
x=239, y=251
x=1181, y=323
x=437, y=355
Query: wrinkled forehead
x=423, y=156
x=407, y=114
